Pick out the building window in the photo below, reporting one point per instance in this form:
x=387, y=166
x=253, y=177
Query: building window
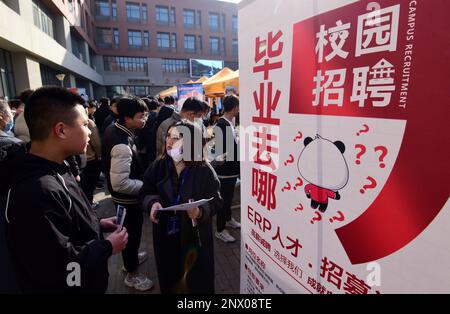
x=231, y=65
x=200, y=43
x=213, y=22
x=173, y=40
x=172, y=16
x=125, y=64
x=116, y=38
x=92, y=58
x=134, y=39
x=214, y=45
x=144, y=13
x=189, y=18
x=162, y=15
x=133, y=12
x=42, y=18
x=7, y=87
x=104, y=37
x=102, y=9
x=224, y=25
x=78, y=47
x=70, y=6
x=163, y=41
x=189, y=43
x=235, y=47
x=114, y=10
x=48, y=76
x=234, y=24
x=175, y=66
x=146, y=39
x=199, y=19
x=223, y=47
x=120, y=90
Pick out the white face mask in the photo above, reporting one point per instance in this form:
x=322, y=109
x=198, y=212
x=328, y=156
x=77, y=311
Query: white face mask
x=199, y=122
x=176, y=153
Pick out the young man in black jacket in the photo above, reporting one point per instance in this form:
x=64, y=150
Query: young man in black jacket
x=54, y=239
x=229, y=171
x=124, y=173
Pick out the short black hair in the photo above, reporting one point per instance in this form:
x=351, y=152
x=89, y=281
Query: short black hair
x=104, y=101
x=92, y=104
x=14, y=103
x=47, y=106
x=129, y=106
x=169, y=100
x=23, y=96
x=151, y=103
x=160, y=99
x=192, y=104
x=115, y=100
x=206, y=106
x=230, y=102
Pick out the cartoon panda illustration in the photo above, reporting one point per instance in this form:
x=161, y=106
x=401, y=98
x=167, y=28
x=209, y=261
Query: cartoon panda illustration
x=323, y=165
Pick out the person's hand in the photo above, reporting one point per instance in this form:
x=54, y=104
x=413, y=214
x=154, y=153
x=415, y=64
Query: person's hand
x=118, y=239
x=108, y=224
x=155, y=207
x=193, y=213
x=78, y=178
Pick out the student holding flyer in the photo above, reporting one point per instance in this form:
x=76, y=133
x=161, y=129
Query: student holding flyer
x=184, y=249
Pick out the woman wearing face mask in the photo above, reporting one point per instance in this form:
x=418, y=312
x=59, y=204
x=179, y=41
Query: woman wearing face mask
x=182, y=240
x=6, y=125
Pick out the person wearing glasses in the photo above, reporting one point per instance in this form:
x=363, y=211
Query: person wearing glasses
x=182, y=240
x=123, y=171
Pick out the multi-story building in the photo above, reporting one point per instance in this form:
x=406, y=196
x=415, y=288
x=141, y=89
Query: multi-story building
x=111, y=47
x=148, y=44
x=41, y=39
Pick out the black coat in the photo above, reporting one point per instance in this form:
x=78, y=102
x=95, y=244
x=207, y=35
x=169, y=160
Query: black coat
x=100, y=115
x=49, y=223
x=231, y=167
x=182, y=255
x=146, y=140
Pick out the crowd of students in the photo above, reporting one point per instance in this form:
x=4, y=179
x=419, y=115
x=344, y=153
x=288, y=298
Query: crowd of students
x=54, y=147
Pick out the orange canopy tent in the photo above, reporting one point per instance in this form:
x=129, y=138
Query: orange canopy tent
x=222, y=73
x=202, y=79
x=216, y=86
x=172, y=90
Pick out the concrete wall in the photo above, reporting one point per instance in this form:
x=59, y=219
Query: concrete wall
x=27, y=74
x=19, y=34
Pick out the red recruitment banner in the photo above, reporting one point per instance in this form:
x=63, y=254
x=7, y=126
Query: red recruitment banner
x=382, y=64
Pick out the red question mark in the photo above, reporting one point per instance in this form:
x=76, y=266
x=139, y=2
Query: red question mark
x=384, y=152
x=365, y=130
x=361, y=152
x=287, y=186
x=299, y=136
x=299, y=207
x=299, y=183
x=290, y=160
x=372, y=185
x=318, y=217
x=340, y=218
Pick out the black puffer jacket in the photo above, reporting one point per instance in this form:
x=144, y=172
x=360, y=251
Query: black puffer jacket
x=48, y=223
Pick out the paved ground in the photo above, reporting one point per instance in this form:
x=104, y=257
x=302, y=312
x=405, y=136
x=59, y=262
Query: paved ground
x=227, y=255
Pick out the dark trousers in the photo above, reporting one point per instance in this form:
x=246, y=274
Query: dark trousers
x=89, y=178
x=133, y=222
x=227, y=192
